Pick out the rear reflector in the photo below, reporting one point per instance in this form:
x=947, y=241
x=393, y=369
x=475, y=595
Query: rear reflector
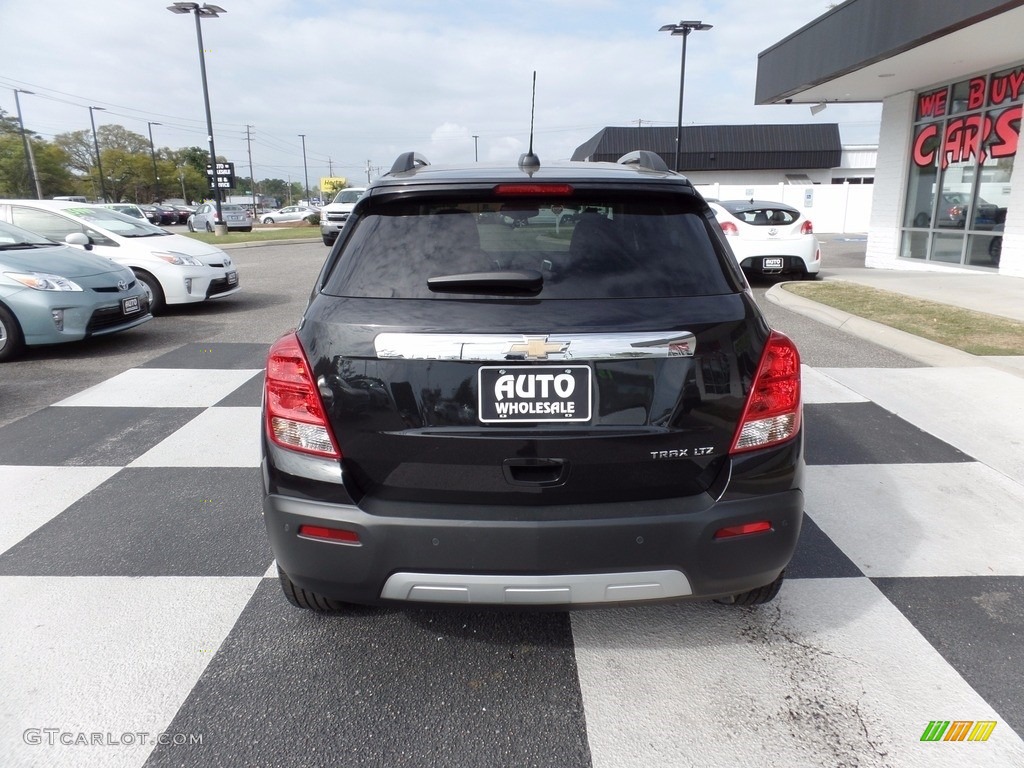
x=533, y=190
x=337, y=535
x=773, y=409
x=743, y=530
x=294, y=412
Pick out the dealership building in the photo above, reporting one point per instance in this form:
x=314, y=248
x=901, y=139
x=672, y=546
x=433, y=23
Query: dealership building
x=950, y=76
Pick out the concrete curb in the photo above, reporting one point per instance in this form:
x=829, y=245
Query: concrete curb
x=916, y=348
x=256, y=243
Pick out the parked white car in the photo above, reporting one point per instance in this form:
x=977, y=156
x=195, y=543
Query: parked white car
x=174, y=269
x=769, y=238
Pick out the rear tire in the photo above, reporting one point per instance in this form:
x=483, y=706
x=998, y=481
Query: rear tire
x=310, y=601
x=811, y=275
x=153, y=290
x=328, y=241
x=758, y=596
x=12, y=340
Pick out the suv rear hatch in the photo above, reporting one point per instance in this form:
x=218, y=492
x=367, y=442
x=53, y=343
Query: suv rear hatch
x=482, y=352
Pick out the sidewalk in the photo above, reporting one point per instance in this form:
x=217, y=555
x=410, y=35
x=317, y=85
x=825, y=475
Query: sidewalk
x=992, y=294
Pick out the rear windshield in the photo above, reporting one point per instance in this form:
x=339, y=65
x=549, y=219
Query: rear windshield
x=762, y=215
x=649, y=246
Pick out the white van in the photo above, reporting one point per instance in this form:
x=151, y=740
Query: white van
x=173, y=269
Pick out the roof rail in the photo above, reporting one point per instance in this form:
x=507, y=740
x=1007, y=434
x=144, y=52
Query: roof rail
x=408, y=161
x=645, y=159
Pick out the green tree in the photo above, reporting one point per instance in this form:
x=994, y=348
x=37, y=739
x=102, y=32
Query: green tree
x=51, y=163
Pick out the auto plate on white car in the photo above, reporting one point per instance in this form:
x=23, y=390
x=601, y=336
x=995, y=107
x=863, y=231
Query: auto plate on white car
x=771, y=264
x=534, y=393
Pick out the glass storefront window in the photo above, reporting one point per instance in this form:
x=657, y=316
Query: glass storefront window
x=947, y=248
x=915, y=245
x=965, y=141
x=984, y=250
x=921, y=189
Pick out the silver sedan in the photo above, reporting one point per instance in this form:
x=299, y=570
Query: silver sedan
x=290, y=213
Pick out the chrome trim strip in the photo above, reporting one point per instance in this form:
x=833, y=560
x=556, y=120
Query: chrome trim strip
x=556, y=347
x=567, y=589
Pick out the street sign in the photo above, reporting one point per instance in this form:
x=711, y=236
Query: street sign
x=223, y=177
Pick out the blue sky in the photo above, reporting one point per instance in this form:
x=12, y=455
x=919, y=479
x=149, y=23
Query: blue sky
x=365, y=81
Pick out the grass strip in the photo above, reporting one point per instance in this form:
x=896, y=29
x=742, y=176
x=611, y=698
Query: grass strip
x=258, y=236
x=964, y=329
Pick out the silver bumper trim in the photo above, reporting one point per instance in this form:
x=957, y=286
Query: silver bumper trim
x=563, y=589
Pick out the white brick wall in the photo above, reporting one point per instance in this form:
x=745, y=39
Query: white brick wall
x=894, y=147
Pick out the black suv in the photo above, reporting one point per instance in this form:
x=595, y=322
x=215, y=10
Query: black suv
x=586, y=408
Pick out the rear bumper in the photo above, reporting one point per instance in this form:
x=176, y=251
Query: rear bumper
x=647, y=552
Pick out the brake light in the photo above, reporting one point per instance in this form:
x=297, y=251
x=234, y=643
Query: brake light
x=322, y=532
x=807, y=228
x=772, y=412
x=533, y=190
x=295, y=417
x=729, y=229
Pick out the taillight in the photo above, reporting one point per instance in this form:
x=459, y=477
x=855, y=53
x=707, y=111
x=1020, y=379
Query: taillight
x=729, y=229
x=807, y=228
x=772, y=412
x=526, y=189
x=295, y=416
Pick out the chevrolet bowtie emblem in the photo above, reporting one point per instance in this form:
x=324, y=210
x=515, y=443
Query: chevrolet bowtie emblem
x=536, y=348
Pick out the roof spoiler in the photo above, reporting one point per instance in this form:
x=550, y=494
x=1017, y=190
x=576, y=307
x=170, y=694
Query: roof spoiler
x=644, y=158
x=409, y=161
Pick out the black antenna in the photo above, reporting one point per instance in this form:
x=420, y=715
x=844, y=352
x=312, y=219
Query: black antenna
x=530, y=162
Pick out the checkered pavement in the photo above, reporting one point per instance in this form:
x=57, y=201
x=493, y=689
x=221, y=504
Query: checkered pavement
x=138, y=599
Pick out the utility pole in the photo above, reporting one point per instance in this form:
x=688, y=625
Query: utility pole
x=367, y=171
x=29, y=157
x=305, y=171
x=252, y=176
x=330, y=167
x=476, y=148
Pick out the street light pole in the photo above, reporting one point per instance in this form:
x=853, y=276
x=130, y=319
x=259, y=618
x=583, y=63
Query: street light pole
x=305, y=172
x=29, y=157
x=682, y=29
x=152, y=154
x=96, y=143
x=210, y=12
x=476, y=148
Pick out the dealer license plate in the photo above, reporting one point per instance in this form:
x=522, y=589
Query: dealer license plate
x=771, y=264
x=518, y=393
x=232, y=278
x=130, y=305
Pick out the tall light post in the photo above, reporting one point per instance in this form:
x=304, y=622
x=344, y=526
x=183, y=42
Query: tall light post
x=152, y=155
x=305, y=172
x=33, y=174
x=96, y=144
x=210, y=12
x=683, y=29
x=476, y=148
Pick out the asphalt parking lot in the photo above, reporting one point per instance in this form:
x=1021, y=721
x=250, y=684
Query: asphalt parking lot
x=139, y=593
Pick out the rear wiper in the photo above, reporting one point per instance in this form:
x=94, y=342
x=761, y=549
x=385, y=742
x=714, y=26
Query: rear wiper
x=506, y=281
